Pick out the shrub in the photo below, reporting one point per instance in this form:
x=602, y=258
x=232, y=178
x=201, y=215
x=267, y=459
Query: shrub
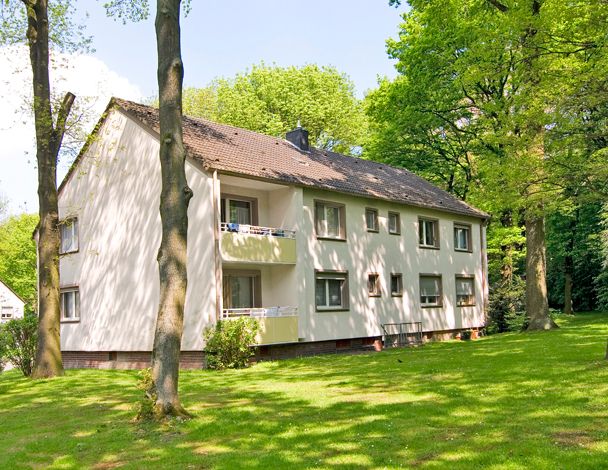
x=228, y=343
x=146, y=405
x=18, y=339
x=507, y=307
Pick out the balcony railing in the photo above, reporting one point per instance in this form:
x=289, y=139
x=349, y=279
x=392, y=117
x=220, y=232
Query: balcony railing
x=269, y=312
x=255, y=230
x=277, y=324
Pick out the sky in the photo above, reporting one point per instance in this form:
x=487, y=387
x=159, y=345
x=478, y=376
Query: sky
x=219, y=38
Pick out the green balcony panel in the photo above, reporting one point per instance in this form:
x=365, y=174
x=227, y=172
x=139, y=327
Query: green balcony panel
x=245, y=247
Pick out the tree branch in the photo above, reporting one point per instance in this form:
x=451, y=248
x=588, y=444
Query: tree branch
x=62, y=117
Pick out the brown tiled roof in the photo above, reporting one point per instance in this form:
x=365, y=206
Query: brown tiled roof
x=238, y=151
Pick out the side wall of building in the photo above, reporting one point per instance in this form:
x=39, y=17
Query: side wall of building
x=10, y=303
x=114, y=193
x=366, y=252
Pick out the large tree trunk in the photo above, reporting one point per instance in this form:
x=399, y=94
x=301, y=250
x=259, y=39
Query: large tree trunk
x=174, y=199
x=48, y=142
x=537, y=306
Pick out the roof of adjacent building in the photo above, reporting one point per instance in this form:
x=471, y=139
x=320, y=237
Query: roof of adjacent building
x=236, y=151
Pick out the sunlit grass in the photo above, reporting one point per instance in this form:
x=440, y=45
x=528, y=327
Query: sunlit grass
x=513, y=401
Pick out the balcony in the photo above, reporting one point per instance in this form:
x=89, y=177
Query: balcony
x=253, y=244
x=277, y=324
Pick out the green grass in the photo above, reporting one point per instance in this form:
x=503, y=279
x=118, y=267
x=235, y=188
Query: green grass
x=513, y=401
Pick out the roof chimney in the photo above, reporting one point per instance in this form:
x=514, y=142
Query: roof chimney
x=299, y=138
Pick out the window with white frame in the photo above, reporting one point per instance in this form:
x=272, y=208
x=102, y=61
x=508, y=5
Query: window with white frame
x=6, y=313
x=462, y=237
x=373, y=285
x=428, y=233
x=396, y=284
x=68, y=230
x=329, y=220
x=70, y=304
x=394, y=223
x=465, y=290
x=430, y=290
x=331, y=290
x=371, y=219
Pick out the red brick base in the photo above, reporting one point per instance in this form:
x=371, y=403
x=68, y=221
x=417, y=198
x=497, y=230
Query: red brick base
x=196, y=359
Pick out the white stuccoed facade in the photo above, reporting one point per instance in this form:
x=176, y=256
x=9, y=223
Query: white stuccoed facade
x=114, y=192
x=11, y=305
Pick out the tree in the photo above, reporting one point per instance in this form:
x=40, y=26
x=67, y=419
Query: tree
x=272, y=100
x=489, y=77
x=42, y=26
x=174, y=200
x=18, y=256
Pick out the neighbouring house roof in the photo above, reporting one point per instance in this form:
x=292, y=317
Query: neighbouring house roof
x=232, y=150
x=11, y=290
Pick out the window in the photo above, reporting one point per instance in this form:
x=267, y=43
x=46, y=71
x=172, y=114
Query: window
x=462, y=237
x=428, y=233
x=70, y=304
x=329, y=220
x=394, y=223
x=396, y=285
x=238, y=210
x=68, y=231
x=241, y=289
x=331, y=290
x=7, y=313
x=465, y=290
x=373, y=285
x=371, y=219
x=430, y=290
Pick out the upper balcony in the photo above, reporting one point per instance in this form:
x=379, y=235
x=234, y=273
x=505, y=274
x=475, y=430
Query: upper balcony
x=254, y=244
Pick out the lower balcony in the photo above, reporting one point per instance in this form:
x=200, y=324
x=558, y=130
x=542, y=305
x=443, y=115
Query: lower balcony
x=277, y=324
x=253, y=244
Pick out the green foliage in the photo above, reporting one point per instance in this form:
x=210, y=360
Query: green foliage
x=272, y=100
x=18, y=339
x=146, y=406
x=18, y=256
x=601, y=281
x=507, y=307
x=228, y=343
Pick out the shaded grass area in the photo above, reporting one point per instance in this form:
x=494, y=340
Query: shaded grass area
x=512, y=401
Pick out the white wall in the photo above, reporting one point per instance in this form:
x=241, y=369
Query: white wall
x=9, y=299
x=115, y=194
x=365, y=252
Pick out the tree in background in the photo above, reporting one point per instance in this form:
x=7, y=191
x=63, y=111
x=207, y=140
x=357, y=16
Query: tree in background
x=18, y=256
x=272, y=100
x=481, y=90
x=174, y=199
x=42, y=26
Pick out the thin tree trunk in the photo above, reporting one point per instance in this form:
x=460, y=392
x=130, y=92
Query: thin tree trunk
x=569, y=267
x=537, y=306
x=174, y=199
x=48, y=142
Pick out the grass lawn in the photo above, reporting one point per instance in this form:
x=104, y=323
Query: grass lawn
x=513, y=401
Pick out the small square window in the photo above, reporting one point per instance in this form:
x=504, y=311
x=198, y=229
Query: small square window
x=430, y=291
x=428, y=233
x=394, y=223
x=465, y=291
x=373, y=285
x=70, y=304
x=462, y=237
x=371, y=219
x=331, y=290
x=68, y=232
x=396, y=285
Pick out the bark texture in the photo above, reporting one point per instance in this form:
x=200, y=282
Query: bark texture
x=49, y=136
x=537, y=306
x=174, y=199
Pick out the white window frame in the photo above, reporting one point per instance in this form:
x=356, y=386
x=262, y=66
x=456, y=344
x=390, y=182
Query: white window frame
x=423, y=231
x=471, y=279
x=321, y=226
x=3, y=312
x=397, y=217
x=425, y=303
x=65, y=293
x=375, y=225
x=71, y=225
x=341, y=276
x=468, y=228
